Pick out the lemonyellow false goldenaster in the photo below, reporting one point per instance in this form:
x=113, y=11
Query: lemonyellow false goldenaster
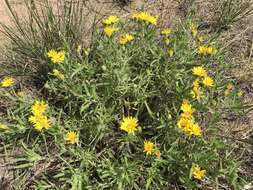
x=71, y=137
x=148, y=147
x=7, y=82
x=129, y=125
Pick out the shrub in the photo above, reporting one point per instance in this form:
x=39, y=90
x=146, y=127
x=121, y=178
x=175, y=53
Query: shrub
x=140, y=110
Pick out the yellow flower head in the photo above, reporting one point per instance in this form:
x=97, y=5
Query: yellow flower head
x=146, y=17
x=39, y=122
x=200, y=38
x=7, y=82
x=39, y=107
x=58, y=74
x=184, y=124
x=202, y=50
x=195, y=130
x=4, y=127
x=148, y=147
x=230, y=86
x=199, y=71
x=186, y=107
x=208, y=81
x=158, y=153
x=110, y=20
x=71, y=137
x=171, y=52
x=240, y=93
x=193, y=29
x=129, y=124
x=20, y=93
x=126, y=38
x=56, y=57
x=188, y=126
x=166, y=31
x=211, y=50
x=196, y=92
x=198, y=173
x=205, y=50
x=196, y=83
x=109, y=30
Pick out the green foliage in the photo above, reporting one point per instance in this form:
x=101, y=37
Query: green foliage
x=40, y=30
x=106, y=83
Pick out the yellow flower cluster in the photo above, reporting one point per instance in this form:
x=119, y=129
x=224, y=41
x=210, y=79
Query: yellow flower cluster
x=110, y=20
x=149, y=148
x=186, y=122
x=198, y=173
x=71, y=137
x=129, y=124
x=146, y=17
x=56, y=56
x=205, y=50
x=109, y=29
x=125, y=38
x=201, y=72
x=7, y=82
x=38, y=117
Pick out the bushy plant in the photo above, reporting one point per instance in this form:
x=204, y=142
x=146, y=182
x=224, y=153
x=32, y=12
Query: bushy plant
x=139, y=110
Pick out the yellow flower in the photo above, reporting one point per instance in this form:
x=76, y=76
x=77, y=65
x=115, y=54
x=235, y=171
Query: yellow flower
x=208, y=81
x=79, y=48
x=195, y=83
x=211, y=50
x=166, y=31
x=126, y=38
x=171, y=52
x=58, y=74
x=21, y=93
x=148, y=147
x=240, y=93
x=39, y=107
x=193, y=29
x=186, y=107
x=205, y=50
x=129, y=124
x=198, y=173
x=7, y=82
x=71, y=137
x=4, y=127
x=202, y=50
x=196, y=92
x=110, y=20
x=56, y=57
x=158, y=153
x=195, y=130
x=39, y=122
x=230, y=88
x=200, y=39
x=146, y=17
x=199, y=71
x=109, y=30
x=167, y=41
x=184, y=124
